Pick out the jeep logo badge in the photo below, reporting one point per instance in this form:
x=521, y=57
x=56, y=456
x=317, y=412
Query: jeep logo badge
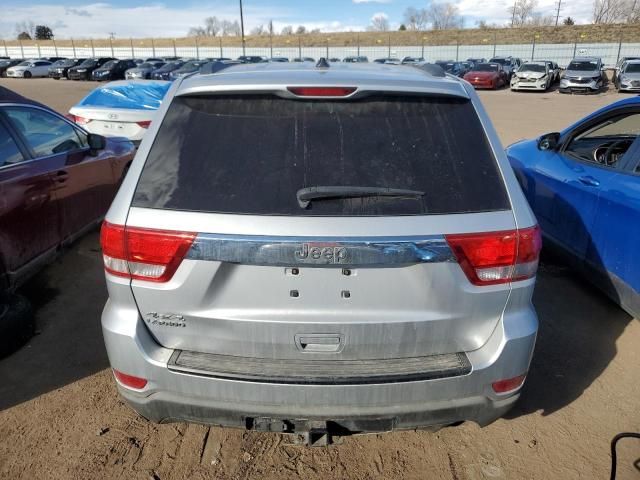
x=321, y=254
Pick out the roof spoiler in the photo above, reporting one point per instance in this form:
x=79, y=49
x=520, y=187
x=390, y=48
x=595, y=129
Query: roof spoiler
x=217, y=66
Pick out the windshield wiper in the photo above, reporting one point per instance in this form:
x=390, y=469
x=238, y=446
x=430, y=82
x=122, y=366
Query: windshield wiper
x=306, y=195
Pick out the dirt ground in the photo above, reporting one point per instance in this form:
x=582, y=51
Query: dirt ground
x=60, y=415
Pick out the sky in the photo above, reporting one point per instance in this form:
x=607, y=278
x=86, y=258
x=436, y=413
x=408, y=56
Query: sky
x=173, y=18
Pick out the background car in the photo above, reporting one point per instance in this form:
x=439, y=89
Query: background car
x=113, y=70
x=188, y=68
x=120, y=109
x=164, y=72
x=532, y=76
x=60, y=69
x=86, y=68
x=250, y=59
x=335, y=60
x=509, y=64
x=452, y=68
x=144, y=70
x=582, y=184
x=583, y=75
x=392, y=60
x=619, y=65
x=487, y=75
x=279, y=59
x=56, y=182
x=408, y=60
x=7, y=63
x=52, y=59
x=354, y=59
x=303, y=59
x=29, y=69
x=629, y=77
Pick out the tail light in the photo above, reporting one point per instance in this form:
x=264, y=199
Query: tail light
x=144, y=124
x=322, y=91
x=77, y=119
x=142, y=253
x=497, y=257
x=129, y=380
x=508, y=385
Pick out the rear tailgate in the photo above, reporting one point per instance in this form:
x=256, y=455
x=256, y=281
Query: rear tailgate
x=357, y=278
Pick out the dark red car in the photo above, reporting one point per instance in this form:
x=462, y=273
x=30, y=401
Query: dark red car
x=56, y=181
x=487, y=75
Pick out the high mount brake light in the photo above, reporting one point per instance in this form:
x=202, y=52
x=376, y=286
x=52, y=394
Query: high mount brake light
x=497, y=257
x=322, y=91
x=142, y=253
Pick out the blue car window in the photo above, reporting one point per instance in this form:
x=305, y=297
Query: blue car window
x=9, y=152
x=45, y=133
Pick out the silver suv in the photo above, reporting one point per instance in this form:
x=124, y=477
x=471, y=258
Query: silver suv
x=320, y=250
x=583, y=74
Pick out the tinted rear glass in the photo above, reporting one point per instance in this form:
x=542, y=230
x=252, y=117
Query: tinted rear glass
x=251, y=155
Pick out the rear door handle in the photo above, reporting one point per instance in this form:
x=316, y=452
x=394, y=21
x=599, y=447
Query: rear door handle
x=589, y=181
x=62, y=176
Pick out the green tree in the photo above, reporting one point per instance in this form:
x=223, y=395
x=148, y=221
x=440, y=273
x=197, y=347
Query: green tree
x=569, y=21
x=43, y=32
x=24, y=36
x=402, y=28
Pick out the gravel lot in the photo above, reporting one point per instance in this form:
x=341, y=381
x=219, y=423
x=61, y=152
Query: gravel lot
x=60, y=415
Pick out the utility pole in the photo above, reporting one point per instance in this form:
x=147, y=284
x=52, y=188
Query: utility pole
x=558, y=12
x=242, y=27
x=513, y=14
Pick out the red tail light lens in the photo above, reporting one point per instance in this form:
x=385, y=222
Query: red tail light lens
x=144, y=124
x=509, y=384
x=142, y=253
x=77, y=119
x=129, y=380
x=322, y=91
x=497, y=257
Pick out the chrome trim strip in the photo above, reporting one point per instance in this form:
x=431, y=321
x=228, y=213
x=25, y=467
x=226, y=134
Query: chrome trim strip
x=320, y=251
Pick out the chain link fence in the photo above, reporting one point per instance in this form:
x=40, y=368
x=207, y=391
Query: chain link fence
x=562, y=53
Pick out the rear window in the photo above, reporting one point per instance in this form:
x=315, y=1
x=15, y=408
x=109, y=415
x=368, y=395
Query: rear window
x=251, y=155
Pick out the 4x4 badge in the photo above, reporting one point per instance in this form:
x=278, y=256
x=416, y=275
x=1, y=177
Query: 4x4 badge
x=324, y=254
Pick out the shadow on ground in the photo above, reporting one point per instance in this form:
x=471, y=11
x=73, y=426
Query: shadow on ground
x=68, y=297
x=579, y=327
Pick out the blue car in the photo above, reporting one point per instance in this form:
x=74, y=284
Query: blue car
x=583, y=185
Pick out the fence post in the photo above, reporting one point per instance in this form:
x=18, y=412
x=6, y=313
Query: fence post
x=495, y=39
x=6, y=52
x=457, y=49
x=73, y=46
x=423, y=38
x=299, y=47
x=327, y=56
x=93, y=50
x=174, y=48
x=133, y=54
x=197, y=49
x=153, y=48
x=358, y=41
x=389, y=47
x=221, y=54
x=54, y=46
x=619, y=49
x=575, y=46
x=111, y=45
x=270, y=45
x=533, y=48
x=21, y=49
x=38, y=46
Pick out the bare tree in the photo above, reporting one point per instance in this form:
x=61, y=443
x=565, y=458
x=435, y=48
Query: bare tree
x=212, y=27
x=416, y=18
x=288, y=30
x=27, y=27
x=444, y=16
x=258, y=30
x=615, y=11
x=379, y=23
x=228, y=28
x=522, y=12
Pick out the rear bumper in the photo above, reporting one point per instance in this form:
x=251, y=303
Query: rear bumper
x=177, y=396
